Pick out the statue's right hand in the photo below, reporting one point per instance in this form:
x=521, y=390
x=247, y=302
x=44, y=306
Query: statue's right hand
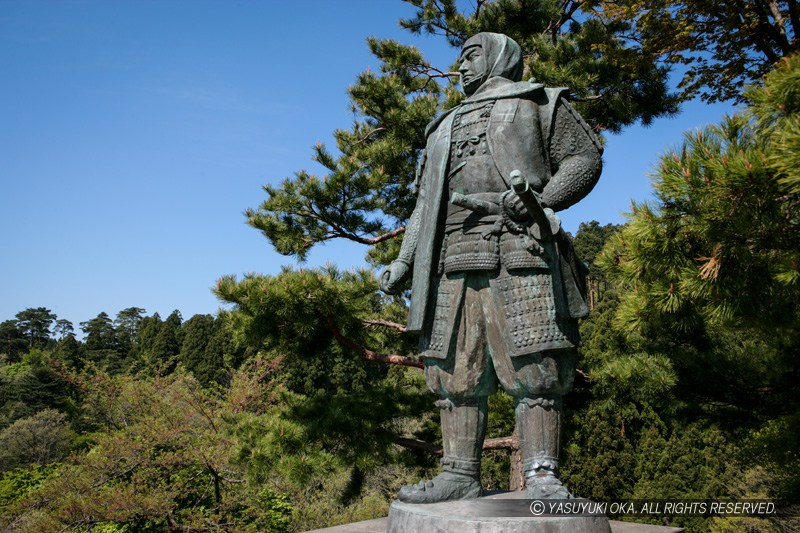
x=393, y=277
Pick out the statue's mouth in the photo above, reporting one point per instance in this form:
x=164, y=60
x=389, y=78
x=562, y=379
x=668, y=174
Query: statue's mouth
x=468, y=81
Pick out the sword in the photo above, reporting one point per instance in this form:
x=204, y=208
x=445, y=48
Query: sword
x=482, y=207
x=548, y=223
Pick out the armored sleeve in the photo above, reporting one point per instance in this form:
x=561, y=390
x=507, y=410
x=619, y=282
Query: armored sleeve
x=575, y=159
x=409, y=246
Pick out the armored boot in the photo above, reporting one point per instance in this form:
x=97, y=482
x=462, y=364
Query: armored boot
x=539, y=427
x=463, y=431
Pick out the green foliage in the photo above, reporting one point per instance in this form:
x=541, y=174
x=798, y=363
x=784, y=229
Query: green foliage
x=722, y=241
x=496, y=464
x=63, y=328
x=207, y=349
x=127, y=327
x=298, y=314
x=591, y=238
x=197, y=332
x=776, y=108
x=149, y=328
x=774, y=445
x=161, y=457
x=277, y=512
x=691, y=462
x=588, y=243
x=339, y=411
x=17, y=483
x=68, y=350
x=167, y=344
x=32, y=385
x=636, y=378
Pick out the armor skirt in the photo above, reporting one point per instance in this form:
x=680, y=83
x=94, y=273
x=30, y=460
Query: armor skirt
x=491, y=327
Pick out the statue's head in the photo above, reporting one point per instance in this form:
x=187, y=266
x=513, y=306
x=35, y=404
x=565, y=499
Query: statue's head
x=488, y=55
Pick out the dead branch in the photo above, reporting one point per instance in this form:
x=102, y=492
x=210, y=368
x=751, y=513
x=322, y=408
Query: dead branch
x=586, y=98
x=510, y=443
x=416, y=444
x=387, y=323
x=500, y=443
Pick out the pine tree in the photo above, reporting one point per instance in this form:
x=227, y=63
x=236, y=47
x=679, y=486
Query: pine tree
x=197, y=334
x=588, y=242
x=100, y=345
x=35, y=324
x=63, y=328
x=709, y=275
x=127, y=326
x=167, y=343
x=12, y=341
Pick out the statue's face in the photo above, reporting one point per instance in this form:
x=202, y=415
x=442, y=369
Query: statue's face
x=473, y=69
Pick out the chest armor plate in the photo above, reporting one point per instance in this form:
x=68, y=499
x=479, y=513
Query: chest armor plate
x=472, y=169
x=473, y=241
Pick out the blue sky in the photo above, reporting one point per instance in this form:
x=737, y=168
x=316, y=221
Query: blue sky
x=134, y=133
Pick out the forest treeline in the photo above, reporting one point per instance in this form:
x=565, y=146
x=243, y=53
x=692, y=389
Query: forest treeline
x=304, y=406
x=131, y=342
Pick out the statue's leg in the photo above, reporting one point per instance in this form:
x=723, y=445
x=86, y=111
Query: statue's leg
x=463, y=430
x=463, y=380
x=539, y=427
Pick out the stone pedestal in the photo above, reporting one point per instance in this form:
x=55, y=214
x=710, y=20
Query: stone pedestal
x=501, y=513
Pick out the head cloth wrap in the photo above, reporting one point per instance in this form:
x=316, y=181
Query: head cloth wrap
x=502, y=53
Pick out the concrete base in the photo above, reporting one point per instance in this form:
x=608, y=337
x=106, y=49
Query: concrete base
x=500, y=513
x=465, y=517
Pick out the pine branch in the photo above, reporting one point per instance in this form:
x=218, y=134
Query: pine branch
x=432, y=72
x=382, y=237
x=339, y=231
x=370, y=134
x=366, y=353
